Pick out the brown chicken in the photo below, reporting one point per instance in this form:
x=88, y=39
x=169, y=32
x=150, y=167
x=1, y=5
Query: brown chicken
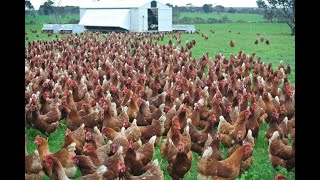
x=41, y=122
x=229, y=132
x=136, y=160
x=232, y=43
x=226, y=169
x=51, y=162
x=64, y=155
x=154, y=172
x=133, y=108
x=111, y=164
x=96, y=138
x=77, y=136
x=180, y=163
x=281, y=154
x=33, y=166
x=214, y=143
x=273, y=126
x=156, y=128
x=98, y=175
x=84, y=164
x=252, y=123
x=199, y=138
x=174, y=136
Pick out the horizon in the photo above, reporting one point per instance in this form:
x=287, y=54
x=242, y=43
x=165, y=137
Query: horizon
x=195, y=3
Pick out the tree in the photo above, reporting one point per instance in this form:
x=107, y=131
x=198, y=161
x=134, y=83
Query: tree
x=219, y=9
x=28, y=5
x=281, y=9
x=47, y=8
x=232, y=10
x=207, y=8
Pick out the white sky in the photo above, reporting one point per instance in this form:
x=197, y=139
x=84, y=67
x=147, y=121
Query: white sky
x=226, y=3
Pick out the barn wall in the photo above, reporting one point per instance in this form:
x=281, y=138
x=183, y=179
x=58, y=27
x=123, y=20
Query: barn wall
x=82, y=11
x=134, y=19
x=143, y=19
x=164, y=19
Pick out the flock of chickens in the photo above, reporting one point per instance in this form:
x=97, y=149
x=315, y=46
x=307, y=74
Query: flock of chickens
x=121, y=93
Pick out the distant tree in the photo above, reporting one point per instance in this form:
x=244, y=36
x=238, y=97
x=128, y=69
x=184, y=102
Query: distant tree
x=47, y=8
x=219, y=9
x=232, y=10
x=28, y=5
x=207, y=8
x=282, y=9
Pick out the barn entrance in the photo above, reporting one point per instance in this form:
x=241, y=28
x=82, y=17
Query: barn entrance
x=153, y=19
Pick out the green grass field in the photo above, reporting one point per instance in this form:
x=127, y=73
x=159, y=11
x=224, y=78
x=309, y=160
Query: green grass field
x=282, y=47
x=233, y=17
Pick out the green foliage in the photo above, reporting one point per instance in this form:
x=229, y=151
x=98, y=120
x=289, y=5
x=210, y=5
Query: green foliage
x=28, y=5
x=207, y=8
x=232, y=17
x=219, y=9
x=284, y=10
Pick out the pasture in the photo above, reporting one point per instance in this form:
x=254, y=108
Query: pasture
x=281, y=47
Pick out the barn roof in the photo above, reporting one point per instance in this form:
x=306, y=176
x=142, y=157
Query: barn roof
x=117, y=4
x=98, y=18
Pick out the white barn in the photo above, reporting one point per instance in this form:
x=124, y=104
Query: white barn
x=126, y=15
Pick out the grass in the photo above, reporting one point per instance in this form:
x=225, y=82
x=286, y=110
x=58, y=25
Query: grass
x=282, y=47
x=233, y=17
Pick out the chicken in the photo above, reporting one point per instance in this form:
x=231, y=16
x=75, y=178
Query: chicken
x=154, y=172
x=133, y=108
x=180, y=163
x=214, y=143
x=269, y=105
x=136, y=160
x=199, y=138
x=226, y=169
x=156, y=114
x=133, y=132
x=232, y=43
x=111, y=164
x=41, y=122
x=77, y=136
x=281, y=154
x=121, y=140
x=289, y=103
x=84, y=164
x=280, y=177
x=273, y=126
x=169, y=115
x=57, y=169
x=96, y=138
x=74, y=120
x=98, y=175
x=156, y=128
x=174, y=136
x=33, y=166
x=252, y=123
x=229, y=132
x=64, y=155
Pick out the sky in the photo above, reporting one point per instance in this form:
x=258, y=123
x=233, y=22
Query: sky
x=226, y=3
